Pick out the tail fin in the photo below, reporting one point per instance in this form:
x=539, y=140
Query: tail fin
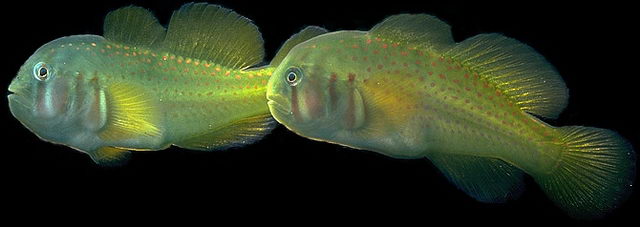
x=594, y=174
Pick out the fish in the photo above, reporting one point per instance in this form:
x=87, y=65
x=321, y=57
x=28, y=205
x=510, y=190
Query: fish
x=196, y=84
x=474, y=109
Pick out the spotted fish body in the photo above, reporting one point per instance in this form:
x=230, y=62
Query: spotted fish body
x=141, y=87
x=405, y=89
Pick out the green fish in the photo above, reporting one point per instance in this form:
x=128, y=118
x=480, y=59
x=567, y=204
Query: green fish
x=142, y=87
x=405, y=89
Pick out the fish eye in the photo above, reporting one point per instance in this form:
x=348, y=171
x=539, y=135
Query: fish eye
x=293, y=76
x=41, y=72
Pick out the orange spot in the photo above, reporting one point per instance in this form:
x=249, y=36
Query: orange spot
x=227, y=73
x=179, y=61
x=441, y=76
x=188, y=61
x=368, y=41
x=378, y=39
x=395, y=45
x=238, y=77
x=217, y=69
x=434, y=64
x=418, y=62
x=430, y=73
x=384, y=46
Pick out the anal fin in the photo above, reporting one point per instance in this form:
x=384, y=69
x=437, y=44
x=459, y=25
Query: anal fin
x=234, y=134
x=485, y=179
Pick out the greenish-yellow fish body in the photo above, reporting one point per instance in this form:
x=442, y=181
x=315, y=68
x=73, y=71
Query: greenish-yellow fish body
x=405, y=89
x=129, y=91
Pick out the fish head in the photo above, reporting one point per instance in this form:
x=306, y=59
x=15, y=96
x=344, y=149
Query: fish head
x=312, y=93
x=42, y=92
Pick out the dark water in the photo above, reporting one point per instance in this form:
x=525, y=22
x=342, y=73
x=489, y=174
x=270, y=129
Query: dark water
x=288, y=175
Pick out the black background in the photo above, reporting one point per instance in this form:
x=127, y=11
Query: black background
x=286, y=176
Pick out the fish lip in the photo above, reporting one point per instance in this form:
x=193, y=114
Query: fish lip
x=278, y=103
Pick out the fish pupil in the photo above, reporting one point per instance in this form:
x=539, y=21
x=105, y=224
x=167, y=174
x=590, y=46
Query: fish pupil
x=43, y=72
x=291, y=77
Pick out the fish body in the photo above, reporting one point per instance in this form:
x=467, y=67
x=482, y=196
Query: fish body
x=405, y=89
x=142, y=87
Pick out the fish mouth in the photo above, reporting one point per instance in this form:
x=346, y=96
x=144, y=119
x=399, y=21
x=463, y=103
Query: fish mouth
x=279, y=104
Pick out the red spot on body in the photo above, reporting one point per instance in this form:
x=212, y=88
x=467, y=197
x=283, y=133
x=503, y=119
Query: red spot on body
x=418, y=62
x=434, y=64
x=352, y=77
x=384, y=46
x=368, y=41
x=442, y=76
x=430, y=73
x=456, y=81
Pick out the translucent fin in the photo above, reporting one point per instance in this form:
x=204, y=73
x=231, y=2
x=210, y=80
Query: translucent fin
x=238, y=133
x=485, y=179
x=304, y=35
x=516, y=70
x=134, y=26
x=210, y=32
x=130, y=114
x=420, y=30
x=110, y=156
x=595, y=172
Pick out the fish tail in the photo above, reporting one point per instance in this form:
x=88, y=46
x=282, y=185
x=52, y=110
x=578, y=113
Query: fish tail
x=594, y=173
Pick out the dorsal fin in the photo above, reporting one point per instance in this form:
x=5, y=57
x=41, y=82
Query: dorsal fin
x=304, y=35
x=414, y=29
x=210, y=32
x=134, y=26
x=516, y=70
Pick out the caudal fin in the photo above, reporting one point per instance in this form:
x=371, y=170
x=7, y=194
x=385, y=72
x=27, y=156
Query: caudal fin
x=594, y=174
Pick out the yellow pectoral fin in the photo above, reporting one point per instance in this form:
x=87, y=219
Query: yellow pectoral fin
x=131, y=113
x=110, y=156
x=390, y=101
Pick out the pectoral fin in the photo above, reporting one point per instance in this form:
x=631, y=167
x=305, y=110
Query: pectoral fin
x=131, y=113
x=110, y=156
